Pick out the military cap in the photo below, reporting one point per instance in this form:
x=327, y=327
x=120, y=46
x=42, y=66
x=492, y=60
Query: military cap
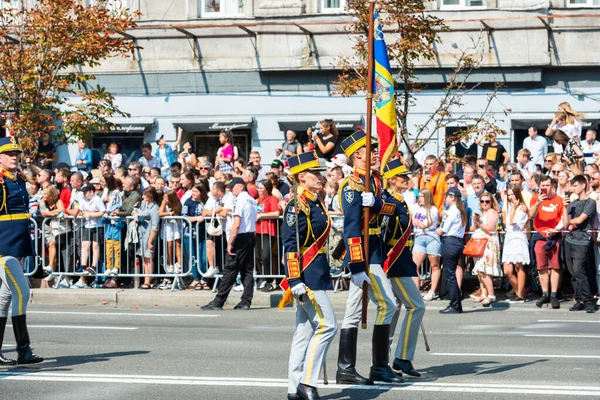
x=304, y=162
x=394, y=168
x=355, y=141
x=9, y=143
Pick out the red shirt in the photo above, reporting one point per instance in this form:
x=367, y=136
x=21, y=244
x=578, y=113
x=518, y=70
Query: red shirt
x=267, y=226
x=549, y=214
x=252, y=191
x=65, y=195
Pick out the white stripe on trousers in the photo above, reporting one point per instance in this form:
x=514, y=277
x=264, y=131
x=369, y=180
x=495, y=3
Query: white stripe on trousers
x=316, y=326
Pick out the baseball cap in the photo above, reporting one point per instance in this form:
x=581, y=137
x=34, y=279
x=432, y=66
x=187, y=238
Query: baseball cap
x=95, y=181
x=453, y=192
x=339, y=160
x=277, y=163
x=234, y=182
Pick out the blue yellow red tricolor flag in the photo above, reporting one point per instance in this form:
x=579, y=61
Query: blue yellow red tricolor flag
x=383, y=95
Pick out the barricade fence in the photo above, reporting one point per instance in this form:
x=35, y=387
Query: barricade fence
x=98, y=250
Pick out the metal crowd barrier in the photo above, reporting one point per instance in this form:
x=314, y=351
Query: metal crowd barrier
x=73, y=242
x=76, y=245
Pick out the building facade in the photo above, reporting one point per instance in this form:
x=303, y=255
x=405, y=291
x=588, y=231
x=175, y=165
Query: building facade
x=260, y=67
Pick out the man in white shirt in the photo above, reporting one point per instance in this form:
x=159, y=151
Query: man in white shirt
x=239, y=257
x=537, y=146
x=590, y=147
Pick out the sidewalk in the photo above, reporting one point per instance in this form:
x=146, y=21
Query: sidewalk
x=128, y=298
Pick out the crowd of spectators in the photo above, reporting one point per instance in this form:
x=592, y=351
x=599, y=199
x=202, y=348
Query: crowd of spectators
x=537, y=211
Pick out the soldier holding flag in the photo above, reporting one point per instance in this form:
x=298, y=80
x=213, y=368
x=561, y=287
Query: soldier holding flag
x=353, y=196
x=305, y=231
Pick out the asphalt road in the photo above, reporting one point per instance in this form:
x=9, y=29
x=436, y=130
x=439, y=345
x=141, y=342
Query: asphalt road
x=165, y=353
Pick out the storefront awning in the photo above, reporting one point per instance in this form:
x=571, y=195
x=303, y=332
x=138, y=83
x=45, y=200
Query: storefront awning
x=302, y=126
x=132, y=126
x=215, y=124
x=542, y=124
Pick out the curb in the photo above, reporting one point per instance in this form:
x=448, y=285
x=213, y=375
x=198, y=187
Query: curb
x=191, y=299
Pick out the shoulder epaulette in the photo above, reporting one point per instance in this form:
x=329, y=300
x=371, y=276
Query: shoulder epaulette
x=355, y=183
x=302, y=205
x=22, y=176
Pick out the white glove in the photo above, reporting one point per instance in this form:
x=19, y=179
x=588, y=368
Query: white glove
x=299, y=289
x=359, y=279
x=368, y=199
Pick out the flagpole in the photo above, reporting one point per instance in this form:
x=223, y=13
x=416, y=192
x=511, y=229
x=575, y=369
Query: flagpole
x=365, y=295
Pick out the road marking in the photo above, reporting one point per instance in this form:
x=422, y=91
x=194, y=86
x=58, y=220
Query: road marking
x=514, y=355
x=108, y=328
x=129, y=314
x=282, y=383
x=563, y=336
x=578, y=321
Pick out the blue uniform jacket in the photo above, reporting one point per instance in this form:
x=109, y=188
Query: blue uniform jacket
x=394, y=226
x=350, y=200
x=14, y=218
x=311, y=219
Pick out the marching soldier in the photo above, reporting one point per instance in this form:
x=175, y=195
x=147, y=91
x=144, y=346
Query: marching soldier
x=15, y=247
x=352, y=199
x=400, y=268
x=305, y=232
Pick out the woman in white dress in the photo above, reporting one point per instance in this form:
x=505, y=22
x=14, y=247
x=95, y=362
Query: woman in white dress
x=487, y=266
x=516, y=250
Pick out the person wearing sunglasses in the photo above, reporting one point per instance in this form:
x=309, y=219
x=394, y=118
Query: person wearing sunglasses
x=485, y=226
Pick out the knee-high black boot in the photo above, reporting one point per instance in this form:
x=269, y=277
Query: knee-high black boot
x=25, y=355
x=4, y=360
x=346, y=373
x=381, y=371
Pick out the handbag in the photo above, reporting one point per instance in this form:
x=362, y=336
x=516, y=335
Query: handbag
x=214, y=229
x=475, y=247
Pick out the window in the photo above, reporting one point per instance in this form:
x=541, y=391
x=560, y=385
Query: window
x=332, y=6
x=10, y=4
x=583, y=3
x=462, y=4
x=221, y=8
x=111, y=4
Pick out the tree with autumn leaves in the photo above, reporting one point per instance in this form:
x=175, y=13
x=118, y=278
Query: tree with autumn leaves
x=43, y=51
x=412, y=36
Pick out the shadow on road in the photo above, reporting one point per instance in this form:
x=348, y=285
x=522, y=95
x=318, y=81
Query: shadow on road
x=473, y=368
x=59, y=363
x=355, y=394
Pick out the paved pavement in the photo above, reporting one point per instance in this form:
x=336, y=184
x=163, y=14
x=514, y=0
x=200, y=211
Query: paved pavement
x=136, y=351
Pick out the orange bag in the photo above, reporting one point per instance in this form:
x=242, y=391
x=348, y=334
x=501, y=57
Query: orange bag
x=475, y=247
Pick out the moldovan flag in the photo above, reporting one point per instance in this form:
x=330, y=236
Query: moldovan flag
x=385, y=106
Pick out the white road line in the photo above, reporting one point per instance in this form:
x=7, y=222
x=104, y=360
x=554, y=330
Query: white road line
x=578, y=321
x=107, y=328
x=129, y=314
x=515, y=355
x=282, y=383
x=563, y=336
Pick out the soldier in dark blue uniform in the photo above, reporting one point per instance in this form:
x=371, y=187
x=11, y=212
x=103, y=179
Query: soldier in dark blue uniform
x=16, y=245
x=352, y=198
x=305, y=231
x=400, y=268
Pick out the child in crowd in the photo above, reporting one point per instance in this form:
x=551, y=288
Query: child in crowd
x=524, y=164
x=171, y=206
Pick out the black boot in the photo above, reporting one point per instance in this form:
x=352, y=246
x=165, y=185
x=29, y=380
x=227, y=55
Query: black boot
x=307, y=392
x=346, y=373
x=25, y=355
x=381, y=371
x=4, y=360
